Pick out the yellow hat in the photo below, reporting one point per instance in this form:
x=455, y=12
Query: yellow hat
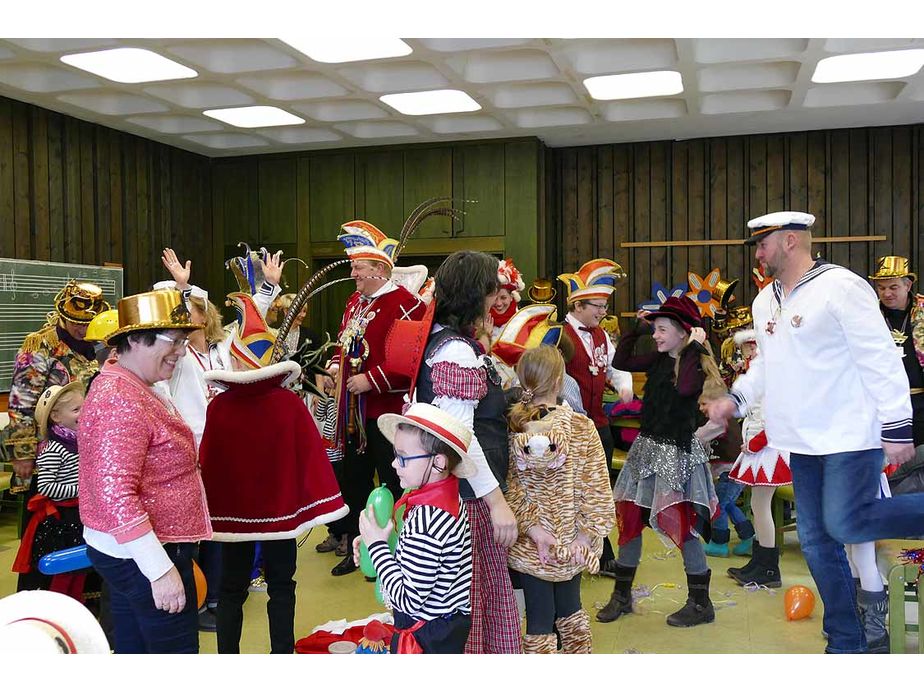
x=892, y=267
x=102, y=326
x=153, y=310
x=541, y=291
x=80, y=302
x=48, y=399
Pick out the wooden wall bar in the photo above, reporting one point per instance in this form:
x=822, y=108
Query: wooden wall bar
x=72, y=191
x=858, y=182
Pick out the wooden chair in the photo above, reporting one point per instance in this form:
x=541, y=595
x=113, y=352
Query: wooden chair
x=904, y=587
x=783, y=494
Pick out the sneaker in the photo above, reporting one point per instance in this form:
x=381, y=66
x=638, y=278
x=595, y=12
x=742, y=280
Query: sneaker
x=207, y=621
x=329, y=544
x=258, y=584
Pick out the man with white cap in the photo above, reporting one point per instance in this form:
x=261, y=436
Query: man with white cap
x=836, y=396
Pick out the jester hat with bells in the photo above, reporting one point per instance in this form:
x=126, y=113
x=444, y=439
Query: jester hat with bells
x=529, y=328
x=596, y=279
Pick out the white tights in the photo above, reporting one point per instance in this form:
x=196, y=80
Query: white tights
x=761, y=497
x=862, y=557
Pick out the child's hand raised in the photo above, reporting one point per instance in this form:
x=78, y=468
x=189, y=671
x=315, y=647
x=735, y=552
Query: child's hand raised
x=698, y=334
x=544, y=541
x=369, y=529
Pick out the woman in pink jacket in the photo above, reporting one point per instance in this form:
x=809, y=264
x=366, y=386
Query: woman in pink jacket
x=142, y=501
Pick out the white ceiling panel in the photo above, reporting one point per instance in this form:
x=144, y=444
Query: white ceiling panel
x=523, y=86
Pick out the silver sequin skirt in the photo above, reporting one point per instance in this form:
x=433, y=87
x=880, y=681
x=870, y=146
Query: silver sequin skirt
x=658, y=475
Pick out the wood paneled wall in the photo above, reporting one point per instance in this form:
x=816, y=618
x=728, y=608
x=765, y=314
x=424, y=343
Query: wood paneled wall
x=864, y=181
x=72, y=191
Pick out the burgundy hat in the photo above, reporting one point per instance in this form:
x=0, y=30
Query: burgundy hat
x=682, y=309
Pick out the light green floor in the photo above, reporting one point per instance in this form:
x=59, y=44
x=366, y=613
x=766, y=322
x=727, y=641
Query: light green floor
x=746, y=622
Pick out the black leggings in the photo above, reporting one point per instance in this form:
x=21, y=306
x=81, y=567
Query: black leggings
x=548, y=601
x=236, y=567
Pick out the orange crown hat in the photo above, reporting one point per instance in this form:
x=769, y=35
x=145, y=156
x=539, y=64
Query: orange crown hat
x=596, y=279
x=527, y=329
x=509, y=277
x=363, y=241
x=252, y=342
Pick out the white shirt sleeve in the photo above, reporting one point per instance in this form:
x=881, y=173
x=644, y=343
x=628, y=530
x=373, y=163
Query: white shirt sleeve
x=458, y=352
x=620, y=380
x=875, y=356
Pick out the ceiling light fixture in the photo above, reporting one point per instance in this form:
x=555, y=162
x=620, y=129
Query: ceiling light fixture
x=634, y=85
x=864, y=66
x=431, y=102
x=129, y=65
x=254, y=116
x=343, y=50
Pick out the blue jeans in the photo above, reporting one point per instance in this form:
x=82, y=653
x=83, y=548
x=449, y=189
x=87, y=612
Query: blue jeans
x=836, y=505
x=140, y=627
x=727, y=490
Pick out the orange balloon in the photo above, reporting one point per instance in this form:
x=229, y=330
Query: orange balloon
x=798, y=602
x=201, y=586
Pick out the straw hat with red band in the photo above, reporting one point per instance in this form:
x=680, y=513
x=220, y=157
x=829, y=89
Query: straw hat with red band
x=596, y=279
x=44, y=622
x=363, y=241
x=439, y=424
x=527, y=329
x=777, y=221
x=682, y=310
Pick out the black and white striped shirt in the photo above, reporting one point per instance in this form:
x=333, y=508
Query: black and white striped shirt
x=57, y=471
x=430, y=574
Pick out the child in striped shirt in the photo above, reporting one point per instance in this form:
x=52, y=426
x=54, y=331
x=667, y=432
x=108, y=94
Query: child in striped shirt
x=427, y=581
x=55, y=521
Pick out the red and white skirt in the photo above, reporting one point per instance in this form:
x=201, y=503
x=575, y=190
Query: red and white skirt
x=766, y=467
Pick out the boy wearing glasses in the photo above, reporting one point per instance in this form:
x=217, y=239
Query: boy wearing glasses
x=427, y=581
x=589, y=290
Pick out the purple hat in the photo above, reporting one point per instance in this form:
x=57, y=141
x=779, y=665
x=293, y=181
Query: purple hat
x=681, y=309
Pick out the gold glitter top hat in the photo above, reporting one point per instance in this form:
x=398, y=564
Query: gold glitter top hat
x=893, y=267
x=153, y=310
x=80, y=302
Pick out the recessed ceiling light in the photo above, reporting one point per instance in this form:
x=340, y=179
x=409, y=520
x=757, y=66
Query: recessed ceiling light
x=861, y=66
x=254, y=116
x=341, y=50
x=430, y=102
x=634, y=85
x=129, y=65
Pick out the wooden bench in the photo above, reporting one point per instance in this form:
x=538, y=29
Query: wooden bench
x=783, y=494
x=904, y=587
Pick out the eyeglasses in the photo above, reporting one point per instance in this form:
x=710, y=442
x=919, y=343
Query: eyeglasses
x=402, y=460
x=175, y=343
x=596, y=305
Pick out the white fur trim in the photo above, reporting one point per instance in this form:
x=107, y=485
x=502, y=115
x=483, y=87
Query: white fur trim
x=290, y=369
x=745, y=336
x=291, y=534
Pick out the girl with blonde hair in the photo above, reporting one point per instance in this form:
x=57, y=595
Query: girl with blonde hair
x=558, y=489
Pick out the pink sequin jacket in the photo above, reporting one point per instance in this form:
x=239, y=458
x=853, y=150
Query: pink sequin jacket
x=138, y=468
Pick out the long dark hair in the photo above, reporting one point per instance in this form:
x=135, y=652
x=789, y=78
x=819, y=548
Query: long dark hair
x=461, y=285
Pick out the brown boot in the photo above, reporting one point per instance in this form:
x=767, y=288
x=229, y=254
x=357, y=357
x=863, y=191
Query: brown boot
x=575, y=633
x=545, y=643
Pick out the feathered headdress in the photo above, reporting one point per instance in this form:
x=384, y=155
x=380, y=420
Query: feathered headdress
x=596, y=279
x=529, y=328
x=509, y=277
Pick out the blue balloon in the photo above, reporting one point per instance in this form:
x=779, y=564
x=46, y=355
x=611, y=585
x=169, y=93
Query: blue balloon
x=65, y=561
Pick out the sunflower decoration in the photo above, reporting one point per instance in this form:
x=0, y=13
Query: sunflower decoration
x=660, y=293
x=702, y=290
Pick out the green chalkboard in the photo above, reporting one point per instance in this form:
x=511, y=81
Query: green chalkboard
x=27, y=291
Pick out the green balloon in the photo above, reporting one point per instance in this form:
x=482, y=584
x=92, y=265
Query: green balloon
x=392, y=541
x=365, y=561
x=378, y=591
x=399, y=518
x=383, y=504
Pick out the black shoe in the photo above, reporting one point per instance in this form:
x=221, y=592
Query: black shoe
x=369, y=579
x=874, y=609
x=621, y=600
x=345, y=567
x=698, y=608
x=207, y=621
x=608, y=568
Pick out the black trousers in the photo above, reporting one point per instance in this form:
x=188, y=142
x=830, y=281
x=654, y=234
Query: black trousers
x=548, y=601
x=357, y=476
x=236, y=566
x=606, y=437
